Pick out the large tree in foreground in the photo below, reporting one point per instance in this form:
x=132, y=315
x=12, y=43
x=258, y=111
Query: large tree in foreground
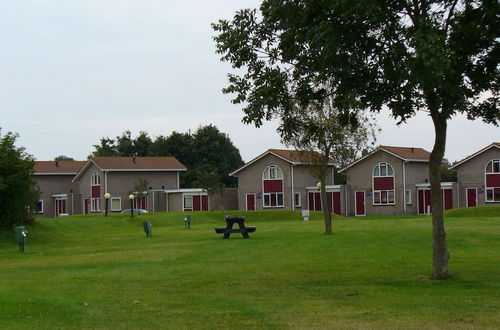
x=321, y=134
x=438, y=56
x=18, y=191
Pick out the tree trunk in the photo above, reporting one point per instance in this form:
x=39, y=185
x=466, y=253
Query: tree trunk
x=327, y=215
x=440, y=254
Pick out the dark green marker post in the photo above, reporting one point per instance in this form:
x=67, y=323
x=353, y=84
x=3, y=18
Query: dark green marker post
x=21, y=235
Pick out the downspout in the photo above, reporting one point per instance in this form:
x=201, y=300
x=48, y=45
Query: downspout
x=293, y=189
x=178, y=180
x=153, y=201
x=404, y=188
x=105, y=181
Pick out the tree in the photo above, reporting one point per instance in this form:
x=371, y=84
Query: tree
x=322, y=136
x=211, y=146
x=63, y=158
x=18, y=191
x=438, y=56
x=106, y=147
x=212, y=183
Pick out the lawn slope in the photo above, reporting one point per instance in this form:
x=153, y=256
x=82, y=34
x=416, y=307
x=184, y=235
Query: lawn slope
x=96, y=272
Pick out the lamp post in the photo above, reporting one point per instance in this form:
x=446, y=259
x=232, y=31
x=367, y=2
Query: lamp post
x=131, y=197
x=107, y=196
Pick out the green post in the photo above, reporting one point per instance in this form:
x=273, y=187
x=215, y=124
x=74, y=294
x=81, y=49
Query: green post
x=148, y=228
x=21, y=235
x=187, y=222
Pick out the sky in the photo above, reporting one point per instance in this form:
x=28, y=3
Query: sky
x=72, y=72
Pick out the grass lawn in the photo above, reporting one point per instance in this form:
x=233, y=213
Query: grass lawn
x=96, y=272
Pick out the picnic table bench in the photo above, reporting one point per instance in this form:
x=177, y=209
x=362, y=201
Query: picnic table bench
x=228, y=230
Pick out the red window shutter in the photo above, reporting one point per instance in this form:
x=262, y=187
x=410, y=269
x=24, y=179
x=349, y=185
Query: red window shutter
x=384, y=183
x=96, y=191
x=493, y=180
x=273, y=186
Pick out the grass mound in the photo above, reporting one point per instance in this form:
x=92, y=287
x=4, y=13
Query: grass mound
x=480, y=211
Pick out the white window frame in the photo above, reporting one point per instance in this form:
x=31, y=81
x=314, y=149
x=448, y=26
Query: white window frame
x=95, y=205
x=95, y=179
x=120, y=203
x=184, y=208
x=272, y=172
x=41, y=209
x=270, y=196
x=492, y=162
x=408, y=197
x=378, y=168
x=299, y=199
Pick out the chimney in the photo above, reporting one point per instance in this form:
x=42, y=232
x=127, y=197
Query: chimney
x=57, y=163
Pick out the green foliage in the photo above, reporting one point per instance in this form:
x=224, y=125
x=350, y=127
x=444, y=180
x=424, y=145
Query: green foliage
x=18, y=191
x=63, y=158
x=207, y=151
x=88, y=272
x=448, y=175
x=141, y=187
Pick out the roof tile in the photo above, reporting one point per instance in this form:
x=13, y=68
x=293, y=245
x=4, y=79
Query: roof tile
x=63, y=166
x=138, y=163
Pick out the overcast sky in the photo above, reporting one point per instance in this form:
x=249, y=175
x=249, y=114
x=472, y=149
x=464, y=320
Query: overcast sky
x=72, y=72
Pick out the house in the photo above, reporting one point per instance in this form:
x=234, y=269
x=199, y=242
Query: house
x=119, y=177
x=393, y=181
x=281, y=179
x=197, y=199
x=58, y=192
x=478, y=177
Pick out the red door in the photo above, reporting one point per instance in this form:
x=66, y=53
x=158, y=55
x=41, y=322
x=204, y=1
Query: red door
x=471, y=197
x=204, y=203
x=447, y=199
x=86, y=203
x=60, y=207
x=250, y=202
x=196, y=203
x=360, y=202
x=427, y=202
x=336, y=202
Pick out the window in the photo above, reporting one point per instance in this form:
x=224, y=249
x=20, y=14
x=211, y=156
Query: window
x=493, y=166
x=273, y=200
x=493, y=194
x=95, y=180
x=272, y=172
x=272, y=186
x=116, y=204
x=408, y=196
x=39, y=207
x=95, y=205
x=492, y=181
x=383, y=185
x=297, y=200
x=188, y=203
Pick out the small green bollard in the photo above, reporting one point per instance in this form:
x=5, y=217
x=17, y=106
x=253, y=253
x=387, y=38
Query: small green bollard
x=187, y=222
x=148, y=228
x=21, y=235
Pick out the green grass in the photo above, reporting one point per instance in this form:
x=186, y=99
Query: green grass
x=96, y=272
